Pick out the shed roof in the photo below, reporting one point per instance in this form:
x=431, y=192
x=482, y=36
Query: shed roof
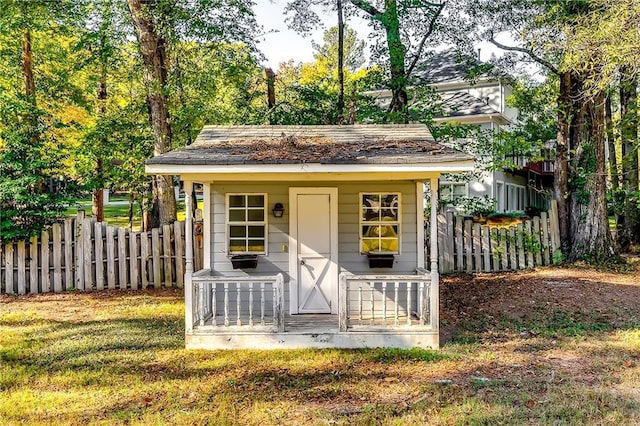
x=462, y=104
x=357, y=144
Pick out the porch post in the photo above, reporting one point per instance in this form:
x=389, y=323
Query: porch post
x=188, y=255
x=420, y=223
x=435, y=276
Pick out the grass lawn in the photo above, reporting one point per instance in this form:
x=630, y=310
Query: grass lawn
x=524, y=348
x=118, y=213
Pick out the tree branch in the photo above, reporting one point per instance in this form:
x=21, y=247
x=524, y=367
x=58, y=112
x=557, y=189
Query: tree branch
x=367, y=7
x=432, y=27
x=528, y=52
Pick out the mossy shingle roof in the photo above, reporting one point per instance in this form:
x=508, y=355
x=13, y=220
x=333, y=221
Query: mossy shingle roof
x=358, y=144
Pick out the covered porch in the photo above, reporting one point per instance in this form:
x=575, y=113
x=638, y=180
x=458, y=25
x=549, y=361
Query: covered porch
x=250, y=312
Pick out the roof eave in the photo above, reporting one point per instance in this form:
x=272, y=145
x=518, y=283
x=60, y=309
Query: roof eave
x=261, y=171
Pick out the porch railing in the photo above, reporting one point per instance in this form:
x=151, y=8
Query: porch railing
x=386, y=301
x=238, y=302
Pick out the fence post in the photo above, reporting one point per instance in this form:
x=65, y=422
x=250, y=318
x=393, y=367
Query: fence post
x=22, y=268
x=133, y=260
x=179, y=245
x=166, y=248
x=536, y=233
x=555, y=227
x=111, y=257
x=57, y=257
x=545, y=238
x=68, y=253
x=8, y=268
x=155, y=247
x=468, y=245
x=33, y=266
x=144, y=258
x=477, y=247
x=44, y=261
x=459, y=245
x=520, y=246
x=79, y=259
x=122, y=258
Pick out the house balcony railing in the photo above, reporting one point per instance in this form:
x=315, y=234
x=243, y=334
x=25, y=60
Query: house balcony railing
x=523, y=164
x=542, y=167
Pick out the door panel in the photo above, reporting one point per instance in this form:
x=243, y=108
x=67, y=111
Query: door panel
x=315, y=277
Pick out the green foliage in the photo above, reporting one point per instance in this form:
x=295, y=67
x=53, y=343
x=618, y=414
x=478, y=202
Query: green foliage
x=27, y=169
x=474, y=206
x=306, y=93
x=558, y=257
x=509, y=215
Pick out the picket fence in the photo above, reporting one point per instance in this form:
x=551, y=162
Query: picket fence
x=82, y=254
x=468, y=246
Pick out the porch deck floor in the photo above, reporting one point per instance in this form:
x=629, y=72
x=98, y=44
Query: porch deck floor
x=312, y=324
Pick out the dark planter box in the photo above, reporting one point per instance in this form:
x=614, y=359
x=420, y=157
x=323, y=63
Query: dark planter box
x=381, y=260
x=244, y=261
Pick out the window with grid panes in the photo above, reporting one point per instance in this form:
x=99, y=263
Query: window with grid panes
x=379, y=223
x=453, y=191
x=246, y=223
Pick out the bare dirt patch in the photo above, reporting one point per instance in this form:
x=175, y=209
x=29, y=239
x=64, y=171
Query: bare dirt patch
x=566, y=296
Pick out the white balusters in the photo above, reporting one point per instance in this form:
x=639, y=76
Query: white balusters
x=396, y=304
x=262, y=301
x=201, y=302
x=391, y=300
x=373, y=303
x=214, y=305
x=409, y=305
x=384, y=302
x=226, y=304
x=250, y=304
x=360, y=304
x=238, y=303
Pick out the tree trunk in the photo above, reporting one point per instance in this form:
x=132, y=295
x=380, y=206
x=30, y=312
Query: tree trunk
x=397, y=54
x=561, y=170
x=578, y=194
x=611, y=145
x=592, y=239
x=97, y=198
x=629, y=234
x=26, y=63
x=154, y=57
x=271, y=92
x=340, y=103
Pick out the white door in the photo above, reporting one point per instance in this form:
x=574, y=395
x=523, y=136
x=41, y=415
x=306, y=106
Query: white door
x=314, y=285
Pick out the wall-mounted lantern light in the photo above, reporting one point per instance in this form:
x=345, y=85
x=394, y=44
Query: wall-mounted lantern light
x=278, y=210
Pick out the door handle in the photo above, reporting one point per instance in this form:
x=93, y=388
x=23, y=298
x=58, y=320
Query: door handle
x=302, y=262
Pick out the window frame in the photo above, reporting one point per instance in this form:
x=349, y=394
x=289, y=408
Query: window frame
x=520, y=197
x=229, y=223
x=362, y=223
x=451, y=184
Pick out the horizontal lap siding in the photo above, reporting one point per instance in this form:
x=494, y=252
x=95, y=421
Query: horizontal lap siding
x=350, y=258
x=348, y=215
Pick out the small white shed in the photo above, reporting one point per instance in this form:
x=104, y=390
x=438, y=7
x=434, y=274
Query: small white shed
x=313, y=235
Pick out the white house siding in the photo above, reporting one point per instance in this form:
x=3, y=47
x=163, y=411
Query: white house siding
x=350, y=259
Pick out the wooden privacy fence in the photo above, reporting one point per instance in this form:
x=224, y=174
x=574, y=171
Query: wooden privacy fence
x=83, y=254
x=468, y=246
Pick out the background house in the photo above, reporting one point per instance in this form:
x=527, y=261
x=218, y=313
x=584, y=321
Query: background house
x=473, y=93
